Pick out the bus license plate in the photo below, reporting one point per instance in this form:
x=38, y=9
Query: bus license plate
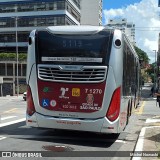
x=75, y=92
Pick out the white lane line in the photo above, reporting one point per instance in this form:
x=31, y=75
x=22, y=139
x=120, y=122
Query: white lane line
x=139, y=145
x=9, y=117
x=12, y=122
x=11, y=110
x=149, y=120
x=120, y=141
x=1, y=138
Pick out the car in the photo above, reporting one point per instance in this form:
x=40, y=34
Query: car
x=25, y=96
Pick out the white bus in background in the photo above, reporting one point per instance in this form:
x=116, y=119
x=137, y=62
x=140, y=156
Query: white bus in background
x=83, y=78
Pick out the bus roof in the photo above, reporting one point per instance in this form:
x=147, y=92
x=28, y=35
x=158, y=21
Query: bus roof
x=75, y=29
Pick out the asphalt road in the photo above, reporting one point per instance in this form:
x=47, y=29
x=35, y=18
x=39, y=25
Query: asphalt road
x=16, y=136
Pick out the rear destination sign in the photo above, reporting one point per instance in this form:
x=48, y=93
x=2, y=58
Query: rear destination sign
x=72, y=59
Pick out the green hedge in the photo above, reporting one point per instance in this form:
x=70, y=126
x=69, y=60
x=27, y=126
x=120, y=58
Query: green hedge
x=13, y=56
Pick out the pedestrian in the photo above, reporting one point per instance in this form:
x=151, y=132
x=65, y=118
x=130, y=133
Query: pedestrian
x=158, y=96
x=152, y=91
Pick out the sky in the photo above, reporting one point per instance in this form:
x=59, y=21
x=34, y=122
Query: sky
x=144, y=14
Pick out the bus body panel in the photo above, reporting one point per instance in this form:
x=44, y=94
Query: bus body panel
x=108, y=90
x=116, y=58
x=82, y=98
x=116, y=63
x=102, y=125
x=30, y=57
x=47, y=119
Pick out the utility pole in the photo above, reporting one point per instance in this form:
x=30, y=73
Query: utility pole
x=17, y=56
x=158, y=63
x=155, y=69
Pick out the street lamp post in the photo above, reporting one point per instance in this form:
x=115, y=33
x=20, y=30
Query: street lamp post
x=155, y=69
x=17, y=56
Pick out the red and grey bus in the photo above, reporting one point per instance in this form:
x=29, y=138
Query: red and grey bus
x=83, y=78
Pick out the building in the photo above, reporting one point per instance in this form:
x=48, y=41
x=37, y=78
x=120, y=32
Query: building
x=26, y=15
x=9, y=75
x=122, y=24
x=20, y=17
x=158, y=59
x=91, y=12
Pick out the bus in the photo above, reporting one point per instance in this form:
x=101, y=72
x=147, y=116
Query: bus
x=83, y=78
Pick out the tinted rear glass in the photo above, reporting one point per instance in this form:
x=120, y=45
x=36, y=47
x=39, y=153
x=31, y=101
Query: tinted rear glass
x=73, y=49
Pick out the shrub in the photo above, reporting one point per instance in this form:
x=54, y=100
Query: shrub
x=13, y=56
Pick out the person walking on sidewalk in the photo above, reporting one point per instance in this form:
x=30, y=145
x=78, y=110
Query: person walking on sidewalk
x=152, y=91
x=158, y=96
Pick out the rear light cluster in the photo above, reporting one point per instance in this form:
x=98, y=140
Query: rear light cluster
x=30, y=104
x=114, y=108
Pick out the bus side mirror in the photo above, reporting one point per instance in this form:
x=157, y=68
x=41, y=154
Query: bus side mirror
x=30, y=41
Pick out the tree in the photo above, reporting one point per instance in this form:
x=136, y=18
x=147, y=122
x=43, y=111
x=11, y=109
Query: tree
x=144, y=62
x=142, y=55
x=151, y=71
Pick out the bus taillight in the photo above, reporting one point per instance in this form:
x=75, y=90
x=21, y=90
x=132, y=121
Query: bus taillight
x=30, y=104
x=114, y=108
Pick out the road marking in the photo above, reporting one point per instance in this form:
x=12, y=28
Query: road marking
x=12, y=110
x=149, y=120
x=120, y=141
x=140, y=111
x=9, y=117
x=139, y=145
x=12, y=122
x=1, y=138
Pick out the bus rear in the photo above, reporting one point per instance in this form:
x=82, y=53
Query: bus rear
x=70, y=82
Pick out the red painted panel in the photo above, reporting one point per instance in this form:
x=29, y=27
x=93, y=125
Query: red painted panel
x=71, y=97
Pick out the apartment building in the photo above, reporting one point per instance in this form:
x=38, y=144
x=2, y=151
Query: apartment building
x=91, y=12
x=26, y=15
x=127, y=27
x=19, y=17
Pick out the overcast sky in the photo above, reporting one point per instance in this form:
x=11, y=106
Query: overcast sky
x=145, y=15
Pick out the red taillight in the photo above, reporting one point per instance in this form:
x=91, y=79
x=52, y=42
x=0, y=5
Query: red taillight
x=114, y=108
x=30, y=105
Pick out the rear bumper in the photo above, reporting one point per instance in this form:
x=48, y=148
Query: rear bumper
x=102, y=125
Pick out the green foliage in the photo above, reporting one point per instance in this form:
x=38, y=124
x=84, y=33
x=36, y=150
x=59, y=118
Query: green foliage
x=142, y=55
x=148, y=73
x=13, y=56
x=22, y=57
x=151, y=71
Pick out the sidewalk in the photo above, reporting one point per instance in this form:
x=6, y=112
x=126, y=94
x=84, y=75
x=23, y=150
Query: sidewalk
x=149, y=138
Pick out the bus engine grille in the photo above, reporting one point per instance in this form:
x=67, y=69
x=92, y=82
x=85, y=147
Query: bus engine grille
x=87, y=74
